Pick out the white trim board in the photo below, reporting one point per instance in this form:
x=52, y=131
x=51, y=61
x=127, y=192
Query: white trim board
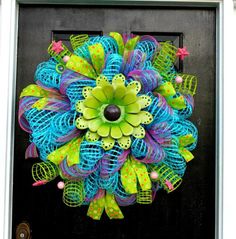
x=8, y=51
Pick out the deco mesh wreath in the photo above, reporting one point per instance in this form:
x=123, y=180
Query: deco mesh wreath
x=110, y=119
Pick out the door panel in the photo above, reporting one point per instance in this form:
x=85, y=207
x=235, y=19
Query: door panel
x=187, y=212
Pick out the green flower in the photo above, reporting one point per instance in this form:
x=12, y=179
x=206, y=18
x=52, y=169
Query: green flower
x=113, y=112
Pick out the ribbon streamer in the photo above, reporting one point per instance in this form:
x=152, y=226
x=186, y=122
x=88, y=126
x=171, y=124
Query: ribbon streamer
x=107, y=202
x=133, y=172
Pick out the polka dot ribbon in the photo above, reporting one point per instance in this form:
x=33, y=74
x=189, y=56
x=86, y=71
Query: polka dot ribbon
x=183, y=142
x=34, y=90
x=168, y=91
x=119, y=40
x=107, y=202
x=133, y=172
x=97, y=55
x=70, y=151
x=80, y=65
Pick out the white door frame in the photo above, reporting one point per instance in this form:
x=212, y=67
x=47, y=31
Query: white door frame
x=8, y=51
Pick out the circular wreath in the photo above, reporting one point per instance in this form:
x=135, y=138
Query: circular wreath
x=110, y=119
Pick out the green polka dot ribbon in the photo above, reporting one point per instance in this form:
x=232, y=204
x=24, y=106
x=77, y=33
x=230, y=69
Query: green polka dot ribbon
x=40, y=104
x=185, y=141
x=107, y=202
x=168, y=91
x=34, y=90
x=70, y=151
x=80, y=65
x=132, y=173
x=119, y=40
x=97, y=55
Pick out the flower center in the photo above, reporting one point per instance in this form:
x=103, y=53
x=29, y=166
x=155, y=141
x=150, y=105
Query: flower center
x=112, y=112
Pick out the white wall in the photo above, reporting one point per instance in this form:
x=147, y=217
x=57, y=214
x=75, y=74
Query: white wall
x=229, y=120
x=229, y=26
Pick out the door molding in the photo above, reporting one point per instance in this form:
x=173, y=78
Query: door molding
x=8, y=51
x=190, y=3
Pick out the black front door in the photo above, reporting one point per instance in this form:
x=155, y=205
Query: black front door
x=188, y=212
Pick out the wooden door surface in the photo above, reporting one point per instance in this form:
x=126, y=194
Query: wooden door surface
x=188, y=212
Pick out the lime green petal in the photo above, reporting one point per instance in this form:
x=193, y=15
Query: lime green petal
x=94, y=124
x=118, y=80
x=145, y=117
x=144, y=101
x=102, y=81
x=92, y=102
x=87, y=91
x=98, y=93
x=89, y=113
x=126, y=128
x=133, y=108
x=134, y=86
x=81, y=123
x=108, y=143
x=133, y=119
x=79, y=106
x=124, y=142
x=120, y=91
x=116, y=132
x=139, y=132
x=91, y=136
x=104, y=130
x=129, y=98
x=108, y=90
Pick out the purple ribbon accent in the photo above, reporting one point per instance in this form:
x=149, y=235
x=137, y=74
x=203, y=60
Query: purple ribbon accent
x=31, y=151
x=68, y=77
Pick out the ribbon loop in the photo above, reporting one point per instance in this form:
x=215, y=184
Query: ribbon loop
x=183, y=142
x=175, y=100
x=130, y=172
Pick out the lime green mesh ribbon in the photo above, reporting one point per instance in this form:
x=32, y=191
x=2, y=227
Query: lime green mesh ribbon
x=107, y=202
x=44, y=171
x=132, y=173
x=188, y=86
x=164, y=60
x=70, y=151
x=168, y=91
x=183, y=142
x=73, y=194
x=167, y=178
x=78, y=40
x=144, y=196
